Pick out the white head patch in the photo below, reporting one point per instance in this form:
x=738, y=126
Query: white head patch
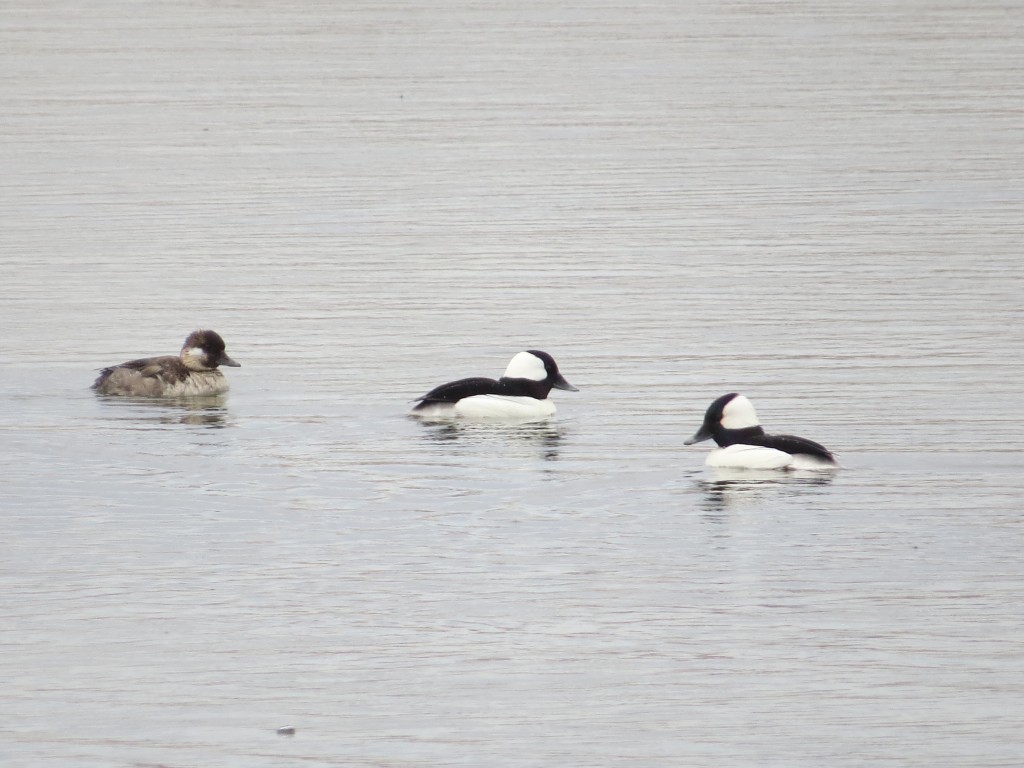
x=526, y=366
x=194, y=358
x=739, y=413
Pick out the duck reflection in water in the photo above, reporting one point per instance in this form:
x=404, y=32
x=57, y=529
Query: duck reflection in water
x=205, y=411
x=541, y=434
x=730, y=487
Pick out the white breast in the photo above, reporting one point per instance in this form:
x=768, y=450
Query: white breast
x=749, y=457
x=503, y=408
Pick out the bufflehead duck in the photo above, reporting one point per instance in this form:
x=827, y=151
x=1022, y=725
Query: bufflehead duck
x=521, y=394
x=192, y=372
x=732, y=421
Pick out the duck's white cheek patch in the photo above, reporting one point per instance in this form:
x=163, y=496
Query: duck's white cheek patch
x=195, y=358
x=526, y=366
x=739, y=413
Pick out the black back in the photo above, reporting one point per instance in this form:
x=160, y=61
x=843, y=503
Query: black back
x=787, y=443
x=454, y=391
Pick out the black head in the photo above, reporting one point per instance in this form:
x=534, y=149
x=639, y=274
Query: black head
x=551, y=368
x=726, y=420
x=533, y=373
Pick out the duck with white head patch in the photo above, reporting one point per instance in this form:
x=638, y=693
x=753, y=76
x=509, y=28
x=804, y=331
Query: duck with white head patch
x=193, y=372
x=743, y=444
x=521, y=394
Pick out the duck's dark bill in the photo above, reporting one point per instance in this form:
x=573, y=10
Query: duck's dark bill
x=561, y=383
x=702, y=434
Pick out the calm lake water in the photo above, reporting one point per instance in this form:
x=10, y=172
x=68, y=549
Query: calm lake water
x=819, y=205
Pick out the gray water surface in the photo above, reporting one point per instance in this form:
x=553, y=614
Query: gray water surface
x=819, y=205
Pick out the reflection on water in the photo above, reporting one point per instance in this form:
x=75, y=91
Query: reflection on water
x=546, y=435
x=729, y=487
x=208, y=411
